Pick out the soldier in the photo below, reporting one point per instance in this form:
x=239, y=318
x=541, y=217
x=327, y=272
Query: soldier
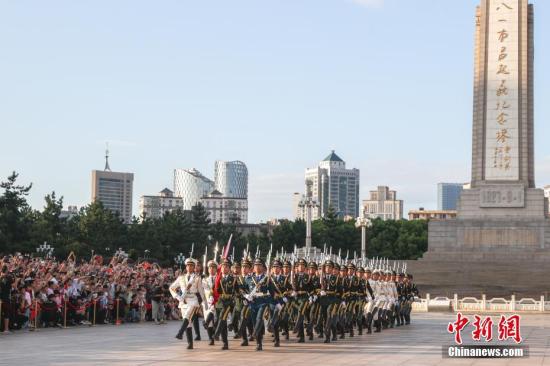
x=199, y=271
x=260, y=295
x=208, y=284
x=246, y=318
x=329, y=299
x=280, y=284
x=284, y=320
x=410, y=292
x=301, y=292
x=237, y=310
x=344, y=297
x=190, y=286
x=353, y=304
x=379, y=302
x=227, y=287
x=314, y=308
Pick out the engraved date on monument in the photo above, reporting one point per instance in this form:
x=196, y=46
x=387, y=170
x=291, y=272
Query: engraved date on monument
x=502, y=197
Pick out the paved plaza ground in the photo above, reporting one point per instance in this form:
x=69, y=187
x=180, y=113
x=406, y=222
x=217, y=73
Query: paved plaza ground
x=147, y=344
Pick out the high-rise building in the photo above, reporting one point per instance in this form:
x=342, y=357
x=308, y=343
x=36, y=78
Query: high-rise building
x=297, y=206
x=448, y=195
x=383, y=204
x=114, y=190
x=231, y=178
x=155, y=207
x=227, y=210
x=191, y=186
x=331, y=184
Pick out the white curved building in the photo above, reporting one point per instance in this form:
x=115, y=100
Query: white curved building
x=231, y=178
x=191, y=185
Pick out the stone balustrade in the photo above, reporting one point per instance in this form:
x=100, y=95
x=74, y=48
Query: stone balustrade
x=483, y=305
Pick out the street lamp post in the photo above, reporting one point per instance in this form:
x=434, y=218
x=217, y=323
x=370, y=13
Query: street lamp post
x=363, y=223
x=179, y=259
x=46, y=249
x=308, y=203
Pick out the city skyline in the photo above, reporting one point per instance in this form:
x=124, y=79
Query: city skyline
x=276, y=100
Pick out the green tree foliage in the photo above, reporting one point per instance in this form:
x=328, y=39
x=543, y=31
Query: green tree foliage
x=95, y=228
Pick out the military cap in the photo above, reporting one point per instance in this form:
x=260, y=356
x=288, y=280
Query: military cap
x=259, y=261
x=368, y=270
x=246, y=262
x=287, y=264
x=336, y=266
x=329, y=263
x=302, y=261
x=276, y=263
x=360, y=270
x=236, y=264
x=351, y=266
x=189, y=261
x=212, y=263
x=312, y=265
x=226, y=262
x=401, y=274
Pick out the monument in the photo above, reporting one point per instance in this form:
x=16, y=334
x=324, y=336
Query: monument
x=501, y=225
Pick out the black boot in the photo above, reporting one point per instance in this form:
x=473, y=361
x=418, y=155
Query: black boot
x=244, y=343
x=196, y=328
x=334, y=332
x=377, y=326
x=224, y=336
x=369, y=323
x=182, y=329
x=259, y=343
x=277, y=340
x=327, y=335
x=351, y=332
x=210, y=332
x=189, y=333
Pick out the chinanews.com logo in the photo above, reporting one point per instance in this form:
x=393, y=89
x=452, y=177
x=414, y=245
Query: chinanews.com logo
x=508, y=328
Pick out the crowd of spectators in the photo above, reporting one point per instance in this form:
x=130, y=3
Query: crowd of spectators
x=38, y=292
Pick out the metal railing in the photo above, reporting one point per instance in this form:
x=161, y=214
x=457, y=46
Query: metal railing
x=483, y=305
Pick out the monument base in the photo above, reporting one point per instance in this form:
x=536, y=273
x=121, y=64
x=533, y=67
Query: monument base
x=497, y=257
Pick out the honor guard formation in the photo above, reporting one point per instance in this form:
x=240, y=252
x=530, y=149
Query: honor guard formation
x=327, y=296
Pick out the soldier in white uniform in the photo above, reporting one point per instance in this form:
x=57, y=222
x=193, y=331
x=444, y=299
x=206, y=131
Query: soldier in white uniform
x=208, y=284
x=380, y=300
x=190, y=285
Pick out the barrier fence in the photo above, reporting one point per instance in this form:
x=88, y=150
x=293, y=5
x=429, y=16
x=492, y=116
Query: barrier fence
x=58, y=314
x=472, y=304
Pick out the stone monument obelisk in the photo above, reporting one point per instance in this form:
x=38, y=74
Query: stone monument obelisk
x=501, y=218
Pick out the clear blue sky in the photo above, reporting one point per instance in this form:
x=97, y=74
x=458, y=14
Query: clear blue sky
x=276, y=84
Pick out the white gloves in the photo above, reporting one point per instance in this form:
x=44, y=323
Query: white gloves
x=285, y=299
x=323, y=293
x=278, y=307
x=311, y=299
x=343, y=303
x=293, y=294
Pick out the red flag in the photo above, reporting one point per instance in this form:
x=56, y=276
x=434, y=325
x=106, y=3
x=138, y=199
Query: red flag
x=225, y=252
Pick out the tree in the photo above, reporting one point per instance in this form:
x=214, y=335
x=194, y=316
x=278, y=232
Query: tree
x=13, y=207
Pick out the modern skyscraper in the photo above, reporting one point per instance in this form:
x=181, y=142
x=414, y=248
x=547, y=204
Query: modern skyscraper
x=154, y=207
x=383, y=204
x=114, y=190
x=331, y=184
x=191, y=186
x=231, y=179
x=448, y=195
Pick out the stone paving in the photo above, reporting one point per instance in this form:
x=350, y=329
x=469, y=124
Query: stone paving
x=147, y=344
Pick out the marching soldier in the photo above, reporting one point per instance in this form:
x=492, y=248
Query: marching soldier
x=301, y=291
x=190, y=285
x=246, y=316
x=260, y=295
x=315, y=308
x=329, y=299
x=208, y=284
x=227, y=288
x=281, y=285
x=237, y=310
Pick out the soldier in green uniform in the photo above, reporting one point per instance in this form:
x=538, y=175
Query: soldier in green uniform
x=246, y=319
x=301, y=289
x=237, y=310
x=227, y=289
x=329, y=299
